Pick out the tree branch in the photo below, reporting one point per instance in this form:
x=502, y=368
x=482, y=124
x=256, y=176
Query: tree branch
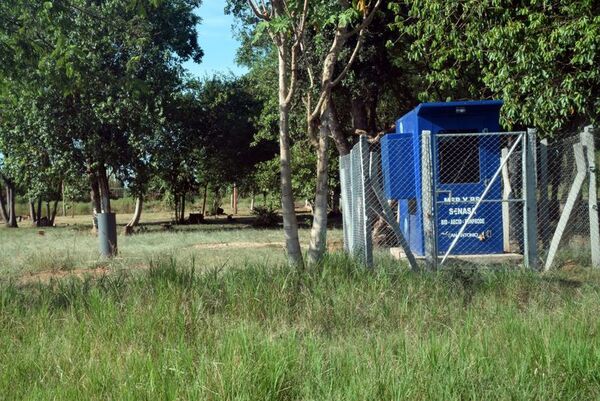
x=367, y=21
x=261, y=15
x=295, y=51
x=357, y=48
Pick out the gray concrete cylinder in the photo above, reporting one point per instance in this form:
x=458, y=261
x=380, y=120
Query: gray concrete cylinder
x=107, y=234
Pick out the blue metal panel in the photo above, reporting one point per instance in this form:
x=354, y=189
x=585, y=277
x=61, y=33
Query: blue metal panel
x=397, y=161
x=462, y=116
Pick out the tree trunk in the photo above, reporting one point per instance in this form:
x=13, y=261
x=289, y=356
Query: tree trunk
x=38, y=219
x=12, y=212
x=204, y=200
x=318, y=234
x=176, y=200
x=342, y=144
x=235, y=199
x=95, y=198
x=137, y=214
x=104, y=190
x=182, y=215
x=32, y=212
x=360, y=119
x=335, y=199
x=52, y=217
x=3, y=209
x=290, y=222
x=48, y=211
x=252, y=201
x=64, y=204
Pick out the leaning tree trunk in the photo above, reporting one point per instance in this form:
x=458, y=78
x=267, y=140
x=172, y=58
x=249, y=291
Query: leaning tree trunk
x=137, y=214
x=52, y=216
x=290, y=222
x=318, y=234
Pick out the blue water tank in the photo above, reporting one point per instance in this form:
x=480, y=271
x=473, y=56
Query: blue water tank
x=463, y=166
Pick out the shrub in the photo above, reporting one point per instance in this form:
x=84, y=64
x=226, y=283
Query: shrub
x=265, y=217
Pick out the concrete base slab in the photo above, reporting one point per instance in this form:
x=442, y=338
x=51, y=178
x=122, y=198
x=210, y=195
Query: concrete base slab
x=486, y=259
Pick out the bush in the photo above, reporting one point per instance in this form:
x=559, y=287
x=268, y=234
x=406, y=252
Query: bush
x=265, y=217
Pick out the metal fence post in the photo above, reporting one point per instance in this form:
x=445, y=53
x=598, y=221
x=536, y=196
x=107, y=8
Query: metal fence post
x=587, y=140
x=529, y=200
x=367, y=198
x=543, y=186
x=346, y=185
x=428, y=201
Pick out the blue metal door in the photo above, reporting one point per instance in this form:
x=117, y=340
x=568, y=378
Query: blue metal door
x=465, y=162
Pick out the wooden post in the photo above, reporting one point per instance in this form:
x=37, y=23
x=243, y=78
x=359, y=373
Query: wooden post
x=529, y=200
x=587, y=140
x=428, y=201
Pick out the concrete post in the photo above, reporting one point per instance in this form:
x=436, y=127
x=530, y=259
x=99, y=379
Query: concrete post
x=428, y=201
x=529, y=200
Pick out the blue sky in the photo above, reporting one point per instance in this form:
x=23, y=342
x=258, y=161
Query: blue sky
x=216, y=39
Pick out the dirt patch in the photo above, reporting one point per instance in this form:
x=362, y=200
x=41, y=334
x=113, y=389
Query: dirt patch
x=240, y=245
x=46, y=276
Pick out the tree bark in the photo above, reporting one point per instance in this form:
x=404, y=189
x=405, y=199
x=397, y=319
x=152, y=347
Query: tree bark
x=3, y=209
x=12, y=212
x=38, y=220
x=204, y=200
x=318, y=234
x=137, y=215
x=342, y=144
x=290, y=222
x=182, y=216
x=52, y=217
x=176, y=199
x=32, y=212
x=104, y=190
x=95, y=198
x=335, y=199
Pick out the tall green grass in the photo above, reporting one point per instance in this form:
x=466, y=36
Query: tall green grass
x=336, y=332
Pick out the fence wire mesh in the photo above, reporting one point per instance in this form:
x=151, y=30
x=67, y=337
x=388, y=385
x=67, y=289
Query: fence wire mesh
x=482, y=203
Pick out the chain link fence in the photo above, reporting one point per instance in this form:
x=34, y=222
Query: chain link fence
x=492, y=198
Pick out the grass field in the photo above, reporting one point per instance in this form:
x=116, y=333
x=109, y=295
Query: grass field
x=212, y=313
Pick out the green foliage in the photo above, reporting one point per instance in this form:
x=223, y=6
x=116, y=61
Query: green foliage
x=85, y=84
x=540, y=57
